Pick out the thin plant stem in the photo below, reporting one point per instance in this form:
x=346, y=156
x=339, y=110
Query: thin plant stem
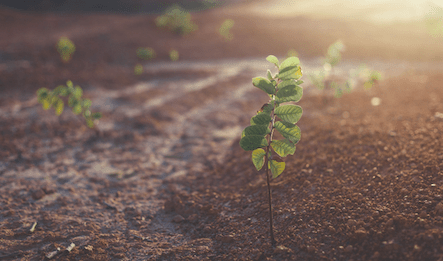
x=268, y=179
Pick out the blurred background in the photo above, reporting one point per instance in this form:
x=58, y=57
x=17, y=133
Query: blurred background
x=114, y=43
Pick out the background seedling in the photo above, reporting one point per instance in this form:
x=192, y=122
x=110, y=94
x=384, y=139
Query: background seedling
x=176, y=20
x=225, y=30
x=66, y=49
x=138, y=69
x=276, y=114
x=146, y=53
x=79, y=105
x=173, y=55
x=434, y=20
x=322, y=78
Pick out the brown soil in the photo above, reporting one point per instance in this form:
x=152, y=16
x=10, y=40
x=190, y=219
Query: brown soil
x=165, y=180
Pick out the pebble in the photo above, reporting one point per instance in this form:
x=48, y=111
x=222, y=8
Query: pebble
x=226, y=238
x=439, y=208
x=178, y=219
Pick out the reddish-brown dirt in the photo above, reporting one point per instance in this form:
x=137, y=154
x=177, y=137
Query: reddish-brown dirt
x=163, y=176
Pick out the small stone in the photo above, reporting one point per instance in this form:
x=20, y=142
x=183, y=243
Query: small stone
x=349, y=248
x=439, y=208
x=226, y=239
x=193, y=218
x=178, y=219
x=38, y=194
x=423, y=214
x=361, y=233
x=282, y=249
x=351, y=222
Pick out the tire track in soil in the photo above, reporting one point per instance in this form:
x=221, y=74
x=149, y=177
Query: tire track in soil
x=110, y=192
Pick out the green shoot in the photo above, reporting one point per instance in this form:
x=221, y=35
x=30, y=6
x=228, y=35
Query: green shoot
x=138, y=69
x=332, y=59
x=225, y=30
x=176, y=20
x=54, y=99
x=66, y=49
x=173, y=55
x=146, y=53
x=277, y=114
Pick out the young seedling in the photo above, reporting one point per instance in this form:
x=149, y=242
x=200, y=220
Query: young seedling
x=332, y=59
x=173, y=55
x=225, y=28
x=66, y=49
x=146, y=53
x=138, y=69
x=177, y=20
x=276, y=114
x=79, y=105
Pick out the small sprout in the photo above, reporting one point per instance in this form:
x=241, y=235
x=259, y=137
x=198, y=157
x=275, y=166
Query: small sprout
x=333, y=56
x=277, y=114
x=173, y=55
x=79, y=105
x=146, y=53
x=33, y=227
x=176, y=20
x=66, y=48
x=225, y=30
x=138, y=69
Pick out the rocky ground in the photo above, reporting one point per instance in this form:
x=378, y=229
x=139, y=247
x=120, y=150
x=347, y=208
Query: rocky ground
x=162, y=177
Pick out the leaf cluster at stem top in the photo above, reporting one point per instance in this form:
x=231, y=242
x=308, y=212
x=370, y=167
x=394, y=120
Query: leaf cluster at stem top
x=279, y=113
x=74, y=95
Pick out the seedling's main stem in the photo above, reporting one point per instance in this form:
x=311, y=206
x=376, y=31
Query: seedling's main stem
x=268, y=180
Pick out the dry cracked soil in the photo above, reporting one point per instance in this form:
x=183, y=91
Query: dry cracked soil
x=162, y=176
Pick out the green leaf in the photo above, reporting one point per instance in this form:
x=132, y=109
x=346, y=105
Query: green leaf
x=269, y=74
x=69, y=84
x=288, y=130
x=64, y=91
x=46, y=104
x=77, y=109
x=42, y=94
x=299, y=82
x=257, y=130
x=90, y=123
x=258, y=158
x=253, y=142
x=263, y=84
x=289, y=113
x=289, y=91
x=261, y=118
x=272, y=59
x=86, y=103
x=59, y=106
x=96, y=115
x=290, y=62
x=78, y=92
x=54, y=99
x=290, y=69
x=87, y=114
x=267, y=108
x=283, y=147
x=276, y=167
x=72, y=101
